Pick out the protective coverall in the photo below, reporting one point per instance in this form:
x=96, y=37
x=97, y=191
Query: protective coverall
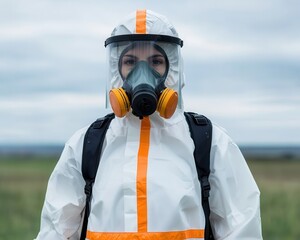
x=147, y=185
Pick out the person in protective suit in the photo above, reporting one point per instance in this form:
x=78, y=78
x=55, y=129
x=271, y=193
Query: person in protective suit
x=146, y=185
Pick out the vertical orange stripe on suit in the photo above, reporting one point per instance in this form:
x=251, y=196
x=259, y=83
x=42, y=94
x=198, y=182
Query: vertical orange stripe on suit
x=141, y=21
x=141, y=181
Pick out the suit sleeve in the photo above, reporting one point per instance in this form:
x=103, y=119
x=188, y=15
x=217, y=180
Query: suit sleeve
x=235, y=197
x=65, y=199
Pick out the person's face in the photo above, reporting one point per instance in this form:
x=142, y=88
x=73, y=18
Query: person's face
x=147, y=53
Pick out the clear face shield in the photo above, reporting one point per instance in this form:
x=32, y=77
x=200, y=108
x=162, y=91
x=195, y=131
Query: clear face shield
x=145, y=74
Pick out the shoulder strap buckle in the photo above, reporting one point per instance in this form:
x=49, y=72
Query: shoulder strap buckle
x=205, y=187
x=200, y=119
x=88, y=188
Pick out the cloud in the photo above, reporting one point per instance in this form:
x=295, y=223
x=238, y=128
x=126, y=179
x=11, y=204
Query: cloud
x=49, y=118
x=241, y=64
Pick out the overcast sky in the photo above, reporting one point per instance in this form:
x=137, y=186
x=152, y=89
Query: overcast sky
x=242, y=65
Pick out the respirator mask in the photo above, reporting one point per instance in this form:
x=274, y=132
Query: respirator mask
x=141, y=77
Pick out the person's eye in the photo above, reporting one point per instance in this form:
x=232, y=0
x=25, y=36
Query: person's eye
x=129, y=61
x=157, y=61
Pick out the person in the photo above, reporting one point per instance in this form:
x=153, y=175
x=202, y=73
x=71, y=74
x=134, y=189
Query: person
x=146, y=185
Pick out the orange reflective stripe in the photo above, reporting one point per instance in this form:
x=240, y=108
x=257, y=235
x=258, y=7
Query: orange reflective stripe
x=141, y=181
x=140, y=21
x=174, y=235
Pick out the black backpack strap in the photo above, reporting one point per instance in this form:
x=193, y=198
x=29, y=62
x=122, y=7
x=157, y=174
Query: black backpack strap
x=92, y=147
x=201, y=133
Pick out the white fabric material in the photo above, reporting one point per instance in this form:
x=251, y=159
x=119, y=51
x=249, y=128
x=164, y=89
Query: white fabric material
x=174, y=196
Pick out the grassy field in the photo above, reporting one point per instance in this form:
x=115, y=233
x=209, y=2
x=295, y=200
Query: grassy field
x=23, y=185
x=279, y=183
x=22, y=189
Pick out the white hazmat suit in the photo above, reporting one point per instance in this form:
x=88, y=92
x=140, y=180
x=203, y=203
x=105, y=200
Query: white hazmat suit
x=147, y=185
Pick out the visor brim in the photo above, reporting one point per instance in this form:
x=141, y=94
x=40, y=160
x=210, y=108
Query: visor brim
x=143, y=37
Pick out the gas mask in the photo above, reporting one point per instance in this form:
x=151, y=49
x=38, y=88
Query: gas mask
x=143, y=68
x=145, y=92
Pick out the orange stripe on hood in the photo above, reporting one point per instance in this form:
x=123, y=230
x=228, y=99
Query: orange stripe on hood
x=141, y=181
x=140, y=21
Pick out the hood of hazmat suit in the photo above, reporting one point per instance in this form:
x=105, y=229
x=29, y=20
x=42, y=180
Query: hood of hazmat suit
x=145, y=66
x=147, y=185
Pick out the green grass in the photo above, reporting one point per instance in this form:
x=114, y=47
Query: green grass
x=279, y=183
x=22, y=188
x=23, y=183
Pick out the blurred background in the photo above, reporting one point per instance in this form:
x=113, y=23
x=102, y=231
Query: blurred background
x=242, y=69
